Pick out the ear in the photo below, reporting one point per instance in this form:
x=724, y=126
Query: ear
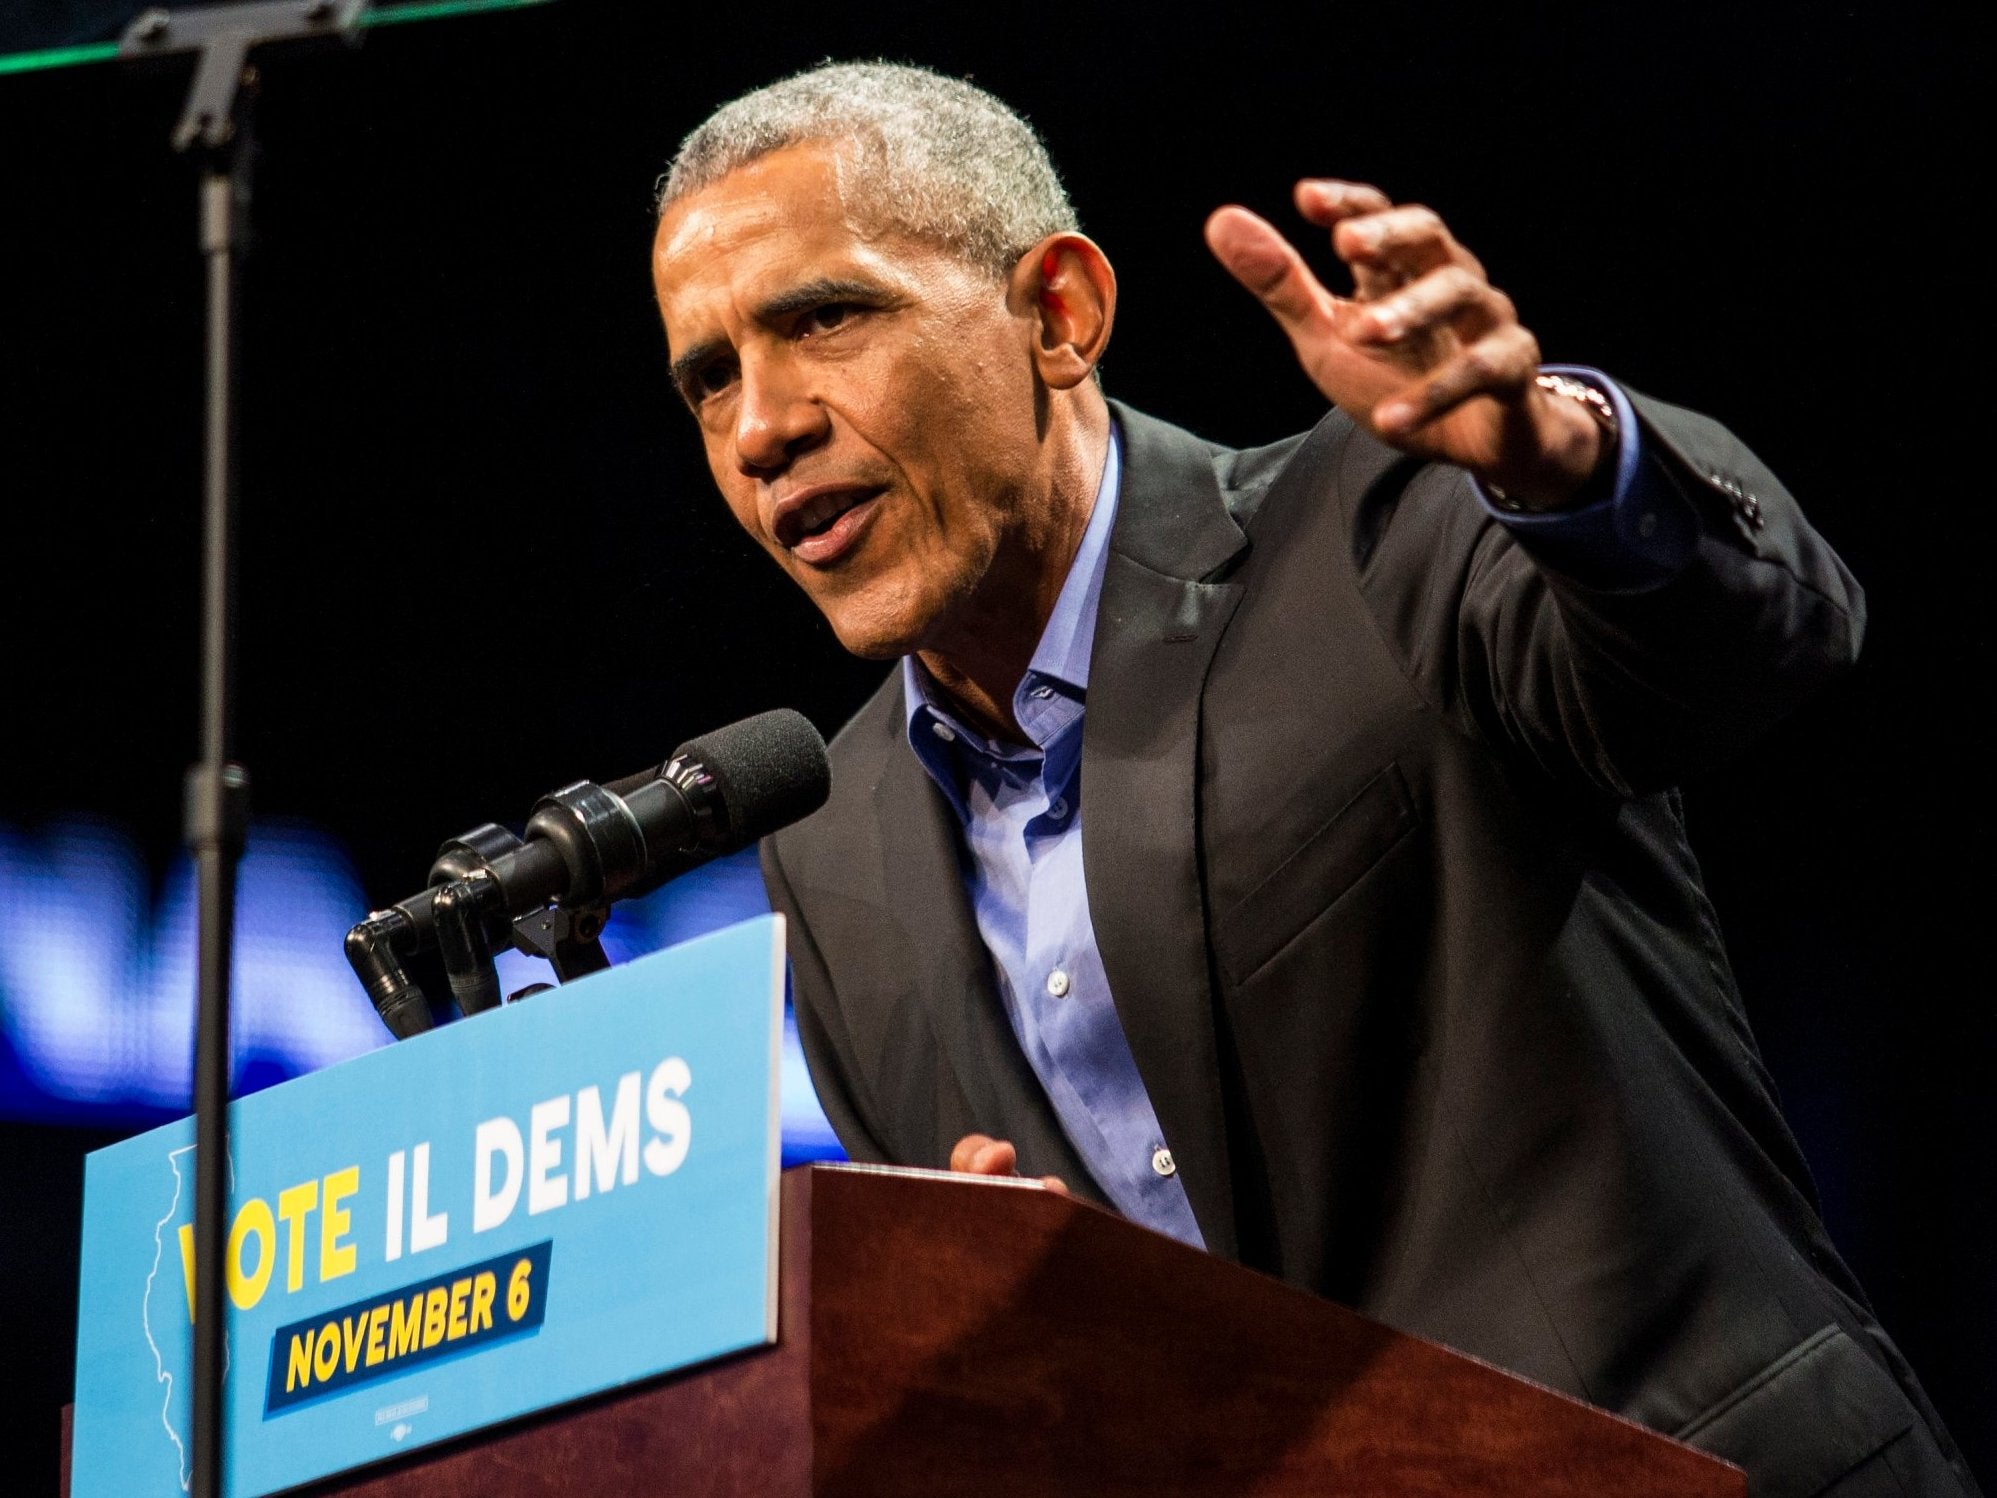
x=1066, y=291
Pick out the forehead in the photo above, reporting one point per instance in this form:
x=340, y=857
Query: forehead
x=800, y=189
x=783, y=218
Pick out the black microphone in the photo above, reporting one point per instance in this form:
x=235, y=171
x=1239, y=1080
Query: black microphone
x=588, y=845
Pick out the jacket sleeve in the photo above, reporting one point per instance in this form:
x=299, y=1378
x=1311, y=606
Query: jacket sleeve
x=1629, y=691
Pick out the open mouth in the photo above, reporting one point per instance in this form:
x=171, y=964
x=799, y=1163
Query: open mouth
x=823, y=524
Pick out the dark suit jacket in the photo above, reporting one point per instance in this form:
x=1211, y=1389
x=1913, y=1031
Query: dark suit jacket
x=1396, y=905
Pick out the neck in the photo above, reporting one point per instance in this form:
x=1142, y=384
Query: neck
x=991, y=638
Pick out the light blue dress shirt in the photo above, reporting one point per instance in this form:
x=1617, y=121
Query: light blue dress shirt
x=1019, y=808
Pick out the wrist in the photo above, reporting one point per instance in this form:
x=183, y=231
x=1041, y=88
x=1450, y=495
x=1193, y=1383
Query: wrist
x=1576, y=438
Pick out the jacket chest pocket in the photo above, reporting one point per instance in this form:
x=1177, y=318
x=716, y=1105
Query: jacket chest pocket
x=1329, y=862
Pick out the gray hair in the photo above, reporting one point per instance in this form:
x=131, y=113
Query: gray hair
x=938, y=158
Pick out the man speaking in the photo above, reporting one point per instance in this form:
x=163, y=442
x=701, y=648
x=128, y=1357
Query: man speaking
x=1280, y=846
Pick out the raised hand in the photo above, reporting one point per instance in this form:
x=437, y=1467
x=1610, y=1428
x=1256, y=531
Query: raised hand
x=1426, y=353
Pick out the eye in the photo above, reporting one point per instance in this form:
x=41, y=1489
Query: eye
x=829, y=315
x=711, y=379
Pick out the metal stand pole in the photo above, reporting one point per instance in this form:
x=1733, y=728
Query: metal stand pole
x=217, y=812
x=216, y=126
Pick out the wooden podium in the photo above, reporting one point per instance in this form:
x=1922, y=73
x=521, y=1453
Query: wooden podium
x=944, y=1336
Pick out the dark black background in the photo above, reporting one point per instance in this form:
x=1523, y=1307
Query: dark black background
x=482, y=556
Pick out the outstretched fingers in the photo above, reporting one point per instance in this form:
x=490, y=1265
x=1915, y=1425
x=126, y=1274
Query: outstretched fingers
x=1324, y=201
x=1383, y=244
x=1501, y=363
x=1426, y=353
x=1452, y=297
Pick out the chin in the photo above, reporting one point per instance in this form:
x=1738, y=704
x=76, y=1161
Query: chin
x=874, y=648
x=887, y=617
x=874, y=635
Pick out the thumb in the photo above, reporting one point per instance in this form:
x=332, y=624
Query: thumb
x=1262, y=260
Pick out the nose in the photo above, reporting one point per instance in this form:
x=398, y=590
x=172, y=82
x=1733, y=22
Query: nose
x=775, y=417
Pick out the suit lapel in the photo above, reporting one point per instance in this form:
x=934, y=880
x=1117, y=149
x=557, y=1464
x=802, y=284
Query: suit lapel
x=925, y=882
x=1156, y=632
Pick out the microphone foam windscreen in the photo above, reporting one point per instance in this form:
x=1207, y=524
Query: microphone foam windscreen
x=771, y=771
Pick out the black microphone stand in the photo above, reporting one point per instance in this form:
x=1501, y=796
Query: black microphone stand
x=217, y=128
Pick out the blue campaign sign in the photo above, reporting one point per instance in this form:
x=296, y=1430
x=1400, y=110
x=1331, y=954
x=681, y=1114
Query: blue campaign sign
x=554, y=1198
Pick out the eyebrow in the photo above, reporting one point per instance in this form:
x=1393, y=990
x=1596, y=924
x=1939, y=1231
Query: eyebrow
x=786, y=303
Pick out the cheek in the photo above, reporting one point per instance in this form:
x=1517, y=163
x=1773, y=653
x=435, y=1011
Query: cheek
x=741, y=502
x=738, y=494
x=963, y=424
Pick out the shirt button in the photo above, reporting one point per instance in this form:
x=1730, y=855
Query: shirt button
x=1162, y=1162
x=1043, y=693
x=1059, y=809
x=942, y=731
x=1057, y=984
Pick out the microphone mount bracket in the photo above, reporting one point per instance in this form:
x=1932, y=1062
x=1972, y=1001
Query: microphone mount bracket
x=586, y=846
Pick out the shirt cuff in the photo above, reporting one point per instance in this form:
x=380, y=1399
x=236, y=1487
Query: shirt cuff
x=1637, y=537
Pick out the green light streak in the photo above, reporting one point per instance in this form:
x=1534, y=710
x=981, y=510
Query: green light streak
x=383, y=15
x=58, y=57
x=431, y=10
